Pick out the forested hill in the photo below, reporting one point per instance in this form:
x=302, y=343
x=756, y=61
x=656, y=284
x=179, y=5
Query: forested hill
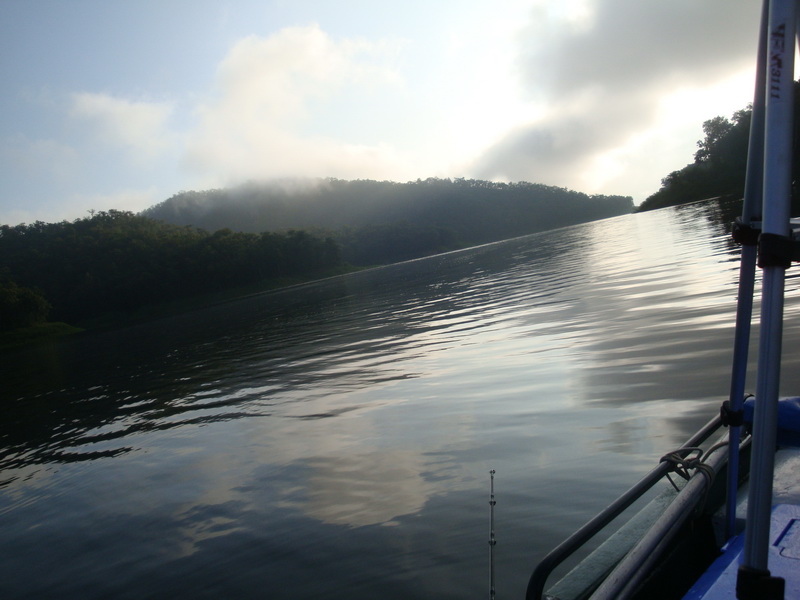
x=115, y=263
x=381, y=221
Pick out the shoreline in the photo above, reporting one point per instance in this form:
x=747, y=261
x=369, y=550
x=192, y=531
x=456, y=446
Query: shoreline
x=53, y=330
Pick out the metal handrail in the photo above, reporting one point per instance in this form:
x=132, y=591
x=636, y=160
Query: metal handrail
x=589, y=530
x=630, y=572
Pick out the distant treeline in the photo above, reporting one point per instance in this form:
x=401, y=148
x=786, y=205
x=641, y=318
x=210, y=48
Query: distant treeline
x=720, y=162
x=118, y=262
x=378, y=222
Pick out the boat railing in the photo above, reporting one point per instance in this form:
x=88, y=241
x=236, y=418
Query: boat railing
x=568, y=547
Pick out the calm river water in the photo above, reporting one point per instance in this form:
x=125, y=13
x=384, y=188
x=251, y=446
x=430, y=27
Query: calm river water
x=334, y=440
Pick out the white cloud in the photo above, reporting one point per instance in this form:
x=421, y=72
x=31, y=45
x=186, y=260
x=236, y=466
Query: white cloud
x=622, y=45
x=604, y=74
x=137, y=126
x=603, y=96
x=263, y=122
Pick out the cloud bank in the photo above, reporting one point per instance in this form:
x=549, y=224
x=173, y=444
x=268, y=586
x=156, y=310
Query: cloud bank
x=602, y=96
x=605, y=70
x=139, y=127
x=263, y=121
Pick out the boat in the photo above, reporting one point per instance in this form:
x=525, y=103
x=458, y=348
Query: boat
x=731, y=527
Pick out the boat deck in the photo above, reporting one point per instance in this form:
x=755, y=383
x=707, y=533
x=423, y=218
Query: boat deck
x=784, y=558
x=785, y=482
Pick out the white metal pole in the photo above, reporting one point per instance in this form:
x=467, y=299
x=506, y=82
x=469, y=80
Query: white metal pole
x=777, y=196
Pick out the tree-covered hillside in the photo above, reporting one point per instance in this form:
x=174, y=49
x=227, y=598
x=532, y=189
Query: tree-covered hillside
x=381, y=221
x=719, y=164
x=117, y=262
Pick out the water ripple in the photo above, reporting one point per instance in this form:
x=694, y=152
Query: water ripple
x=257, y=433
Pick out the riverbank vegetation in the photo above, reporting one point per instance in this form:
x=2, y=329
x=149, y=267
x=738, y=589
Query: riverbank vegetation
x=21, y=306
x=720, y=162
x=114, y=263
x=113, y=266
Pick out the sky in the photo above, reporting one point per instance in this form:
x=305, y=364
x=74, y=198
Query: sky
x=114, y=104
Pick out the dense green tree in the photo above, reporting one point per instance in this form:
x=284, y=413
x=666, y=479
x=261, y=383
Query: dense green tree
x=21, y=306
x=715, y=130
x=720, y=162
x=117, y=261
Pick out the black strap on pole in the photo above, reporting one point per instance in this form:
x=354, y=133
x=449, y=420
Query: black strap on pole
x=745, y=234
x=755, y=584
x=777, y=250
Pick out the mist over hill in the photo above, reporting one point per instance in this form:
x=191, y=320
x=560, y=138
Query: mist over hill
x=113, y=263
x=381, y=221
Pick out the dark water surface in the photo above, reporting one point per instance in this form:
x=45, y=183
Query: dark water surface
x=334, y=440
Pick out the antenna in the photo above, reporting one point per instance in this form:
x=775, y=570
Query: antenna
x=492, y=541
